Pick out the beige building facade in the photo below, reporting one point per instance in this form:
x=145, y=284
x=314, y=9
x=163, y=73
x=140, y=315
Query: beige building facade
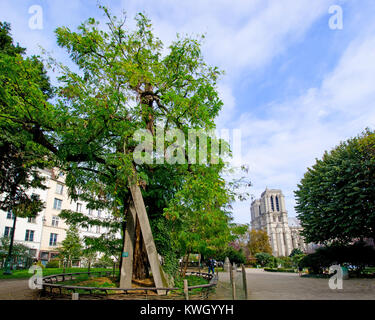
x=44, y=234
x=269, y=214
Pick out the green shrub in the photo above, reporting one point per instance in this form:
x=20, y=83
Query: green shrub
x=279, y=270
x=235, y=256
x=104, y=262
x=54, y=263
x=265, y=259
x=358, y=255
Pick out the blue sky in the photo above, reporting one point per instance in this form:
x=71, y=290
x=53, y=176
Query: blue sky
x=293, y=86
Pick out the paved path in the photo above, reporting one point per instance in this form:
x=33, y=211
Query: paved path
x=264, y=285
x=14, y=289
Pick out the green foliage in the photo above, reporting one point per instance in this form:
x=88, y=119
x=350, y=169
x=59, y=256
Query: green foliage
x=264, y=259
x=235, y=256
x=279, y=270
x=71, y=248
x=286, y=262
x=24, y=89
x=336, y=197
x=124, y=80
x=296, y=259
x=19, y=249
x=258, y=242
x=358, y=255
x=161, y=229
x=104, y=262
x=295, y=251
x=54, y=263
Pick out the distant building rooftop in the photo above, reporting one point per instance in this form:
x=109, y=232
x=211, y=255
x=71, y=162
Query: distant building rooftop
x=294, y=222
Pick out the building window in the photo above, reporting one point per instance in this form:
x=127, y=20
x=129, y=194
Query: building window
x=29, y=236
x=57, y=204
x=99, y=213
x=8, y=232
x=277, y=204
x=260, y=212
x=10, y=215
x=90, y=212
x=97, y=229
x=31, y=220
x=44, y=255
x=79, y=207
x=53, y=239
x=55, y=221
x=59, y=188
x=272, y=205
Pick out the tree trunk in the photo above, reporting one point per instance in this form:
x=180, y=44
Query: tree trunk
x=140, y=260
x=186, y=263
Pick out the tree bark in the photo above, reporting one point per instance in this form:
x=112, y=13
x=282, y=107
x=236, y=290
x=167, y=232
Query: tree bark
x=140, y=260
x=186, y=263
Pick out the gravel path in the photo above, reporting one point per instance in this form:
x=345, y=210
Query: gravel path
x=14, y=289
x=264, y=285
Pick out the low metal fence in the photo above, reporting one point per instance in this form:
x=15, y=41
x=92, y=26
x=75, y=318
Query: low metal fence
x=51, y=284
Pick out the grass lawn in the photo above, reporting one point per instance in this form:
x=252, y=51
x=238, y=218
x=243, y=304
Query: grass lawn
x=24, y=274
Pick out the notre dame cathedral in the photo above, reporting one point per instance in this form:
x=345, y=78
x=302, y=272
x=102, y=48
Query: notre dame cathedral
x=269, y=214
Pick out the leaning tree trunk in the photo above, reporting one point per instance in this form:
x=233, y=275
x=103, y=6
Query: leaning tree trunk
x=140, y=260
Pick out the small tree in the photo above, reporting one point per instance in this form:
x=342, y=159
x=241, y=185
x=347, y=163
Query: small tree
x=89, y=256
x=259, y=242
x=71, y=246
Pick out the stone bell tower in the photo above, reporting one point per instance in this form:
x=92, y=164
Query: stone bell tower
x=269, y=213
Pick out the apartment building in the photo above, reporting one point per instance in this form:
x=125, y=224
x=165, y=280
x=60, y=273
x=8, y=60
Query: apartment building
x=44, y=234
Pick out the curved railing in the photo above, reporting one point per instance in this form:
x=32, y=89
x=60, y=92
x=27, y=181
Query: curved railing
x=51, y=282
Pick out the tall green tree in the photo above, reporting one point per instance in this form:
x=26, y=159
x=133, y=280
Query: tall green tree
x=23, y=83
x=336, y=197
x=126, y=81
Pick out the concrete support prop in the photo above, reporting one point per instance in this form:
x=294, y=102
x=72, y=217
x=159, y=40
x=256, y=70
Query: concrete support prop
x=157, y=272
x=127, y=255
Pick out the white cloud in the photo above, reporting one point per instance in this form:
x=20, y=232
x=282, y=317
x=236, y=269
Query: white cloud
x=281, y=146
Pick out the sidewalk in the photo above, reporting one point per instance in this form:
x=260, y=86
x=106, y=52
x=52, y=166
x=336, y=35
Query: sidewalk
x=262, y=285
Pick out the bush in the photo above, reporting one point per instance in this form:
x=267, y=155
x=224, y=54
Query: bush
x=286, y=262
x=265, y=259
x=54, y=263
x=358, y=255
x=104, y=262
x=235, y=256
x=279, y=270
